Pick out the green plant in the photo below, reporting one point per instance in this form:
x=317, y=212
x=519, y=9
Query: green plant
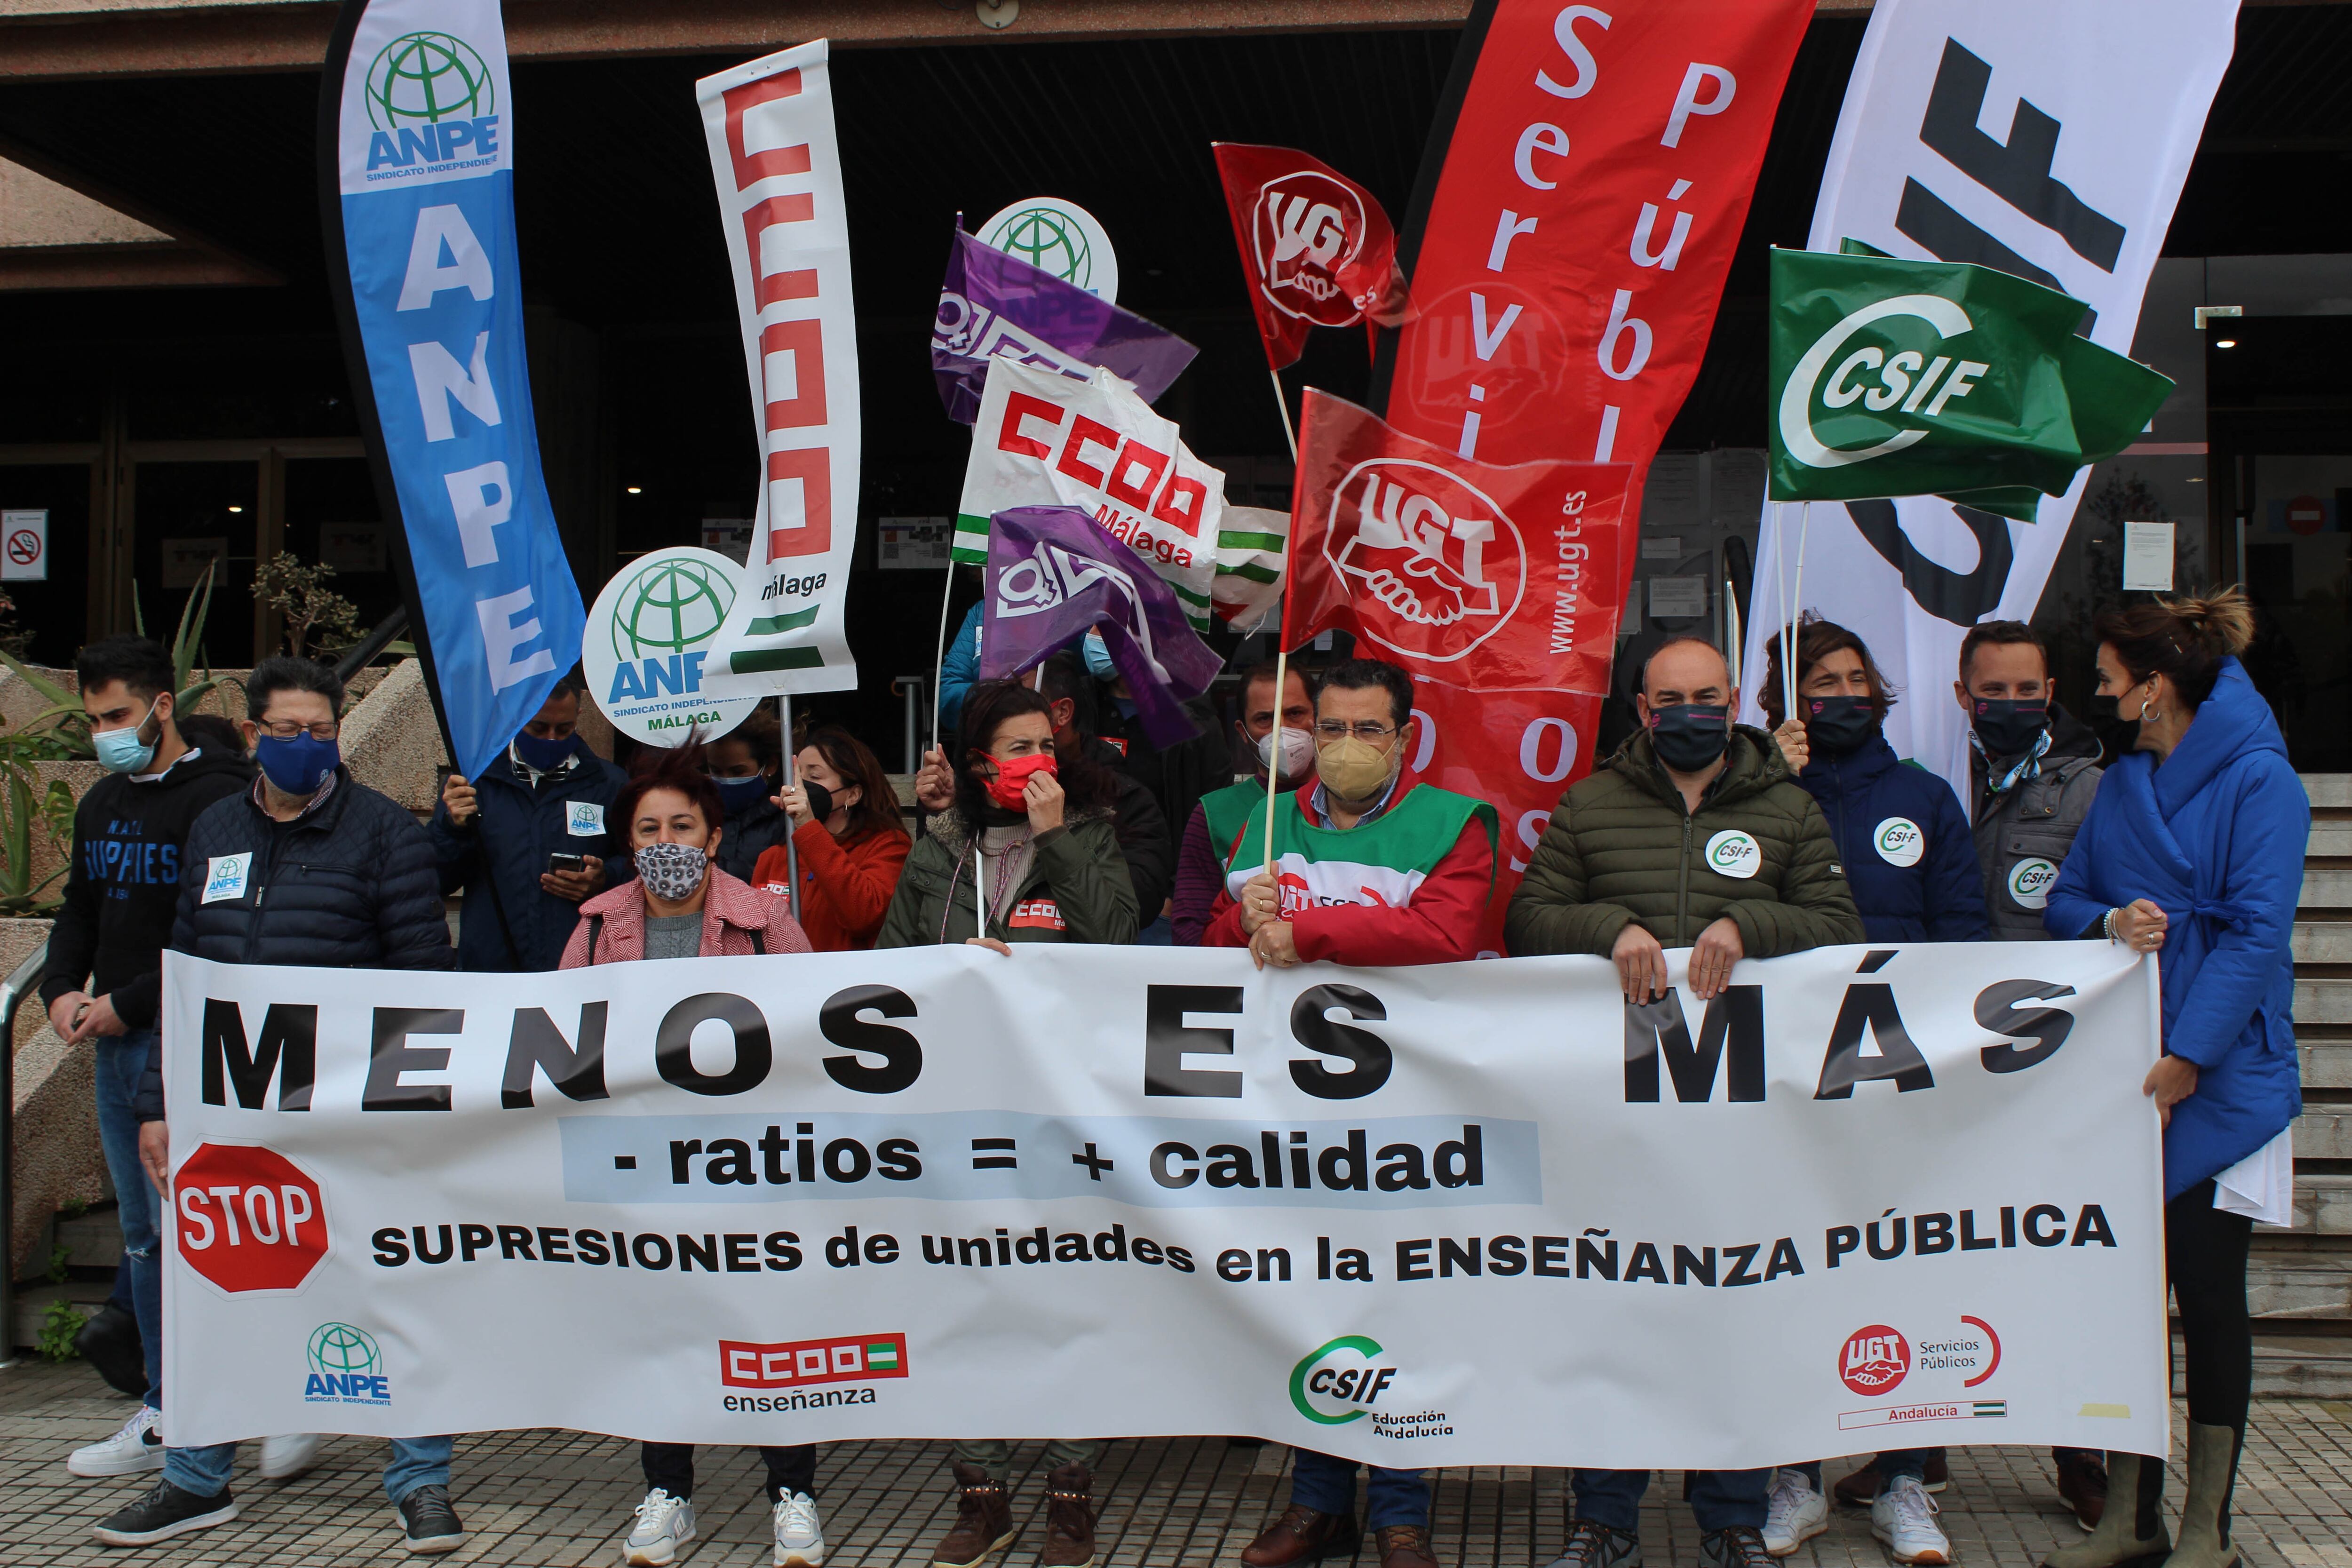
x=14, y=639
x=59, y=1253
x=64, y=720
x=60, y=1324
x=20, y=815
x=311, y=609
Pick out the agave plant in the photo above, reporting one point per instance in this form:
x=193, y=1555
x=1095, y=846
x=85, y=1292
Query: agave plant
x=64, y=718
x=21, y=816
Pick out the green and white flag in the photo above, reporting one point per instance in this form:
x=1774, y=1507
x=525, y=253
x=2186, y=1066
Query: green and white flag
x=1043, y=439
x=1905, y=378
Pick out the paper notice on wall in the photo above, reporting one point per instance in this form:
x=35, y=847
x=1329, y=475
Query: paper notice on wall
x=2147, y=556
x=1678, y=598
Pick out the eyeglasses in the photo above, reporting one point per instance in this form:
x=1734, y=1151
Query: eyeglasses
x=287, y=729
x=1363, y=730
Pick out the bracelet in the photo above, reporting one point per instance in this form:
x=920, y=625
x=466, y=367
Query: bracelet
x=2108, y=925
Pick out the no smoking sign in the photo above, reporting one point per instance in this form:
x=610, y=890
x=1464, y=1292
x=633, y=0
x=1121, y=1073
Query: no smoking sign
x=24, y=546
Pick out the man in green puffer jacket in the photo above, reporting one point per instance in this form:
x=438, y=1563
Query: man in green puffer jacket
x=1693, y=835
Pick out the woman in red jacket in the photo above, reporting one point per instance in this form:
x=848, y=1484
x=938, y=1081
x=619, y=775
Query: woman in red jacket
x=845, y=828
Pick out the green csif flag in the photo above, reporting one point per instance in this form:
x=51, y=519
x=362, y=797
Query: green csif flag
x=1905, y=378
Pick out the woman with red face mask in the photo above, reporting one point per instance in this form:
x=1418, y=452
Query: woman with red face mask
x=1028, y=842
x=1025, y=854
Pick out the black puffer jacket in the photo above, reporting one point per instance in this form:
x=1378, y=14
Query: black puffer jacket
x=352, y=885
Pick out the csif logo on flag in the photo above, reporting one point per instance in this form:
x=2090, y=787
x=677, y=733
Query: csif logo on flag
x=1438, y=567
x=432, y=104
x=1305, y=228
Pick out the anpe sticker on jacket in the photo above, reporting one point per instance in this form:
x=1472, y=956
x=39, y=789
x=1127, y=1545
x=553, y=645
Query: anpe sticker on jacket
x=584, y=819
x=225, y=876
x=1035, y=914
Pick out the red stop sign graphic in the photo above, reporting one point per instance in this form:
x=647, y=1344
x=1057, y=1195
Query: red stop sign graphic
x=248, y=1217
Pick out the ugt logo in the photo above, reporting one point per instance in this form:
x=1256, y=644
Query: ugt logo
x=1439, y=560
x=1875, y=1361
x=1337, y=1384
x=1307, y=228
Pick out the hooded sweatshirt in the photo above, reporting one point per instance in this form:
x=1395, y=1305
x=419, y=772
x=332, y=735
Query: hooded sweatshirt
x=124, y=886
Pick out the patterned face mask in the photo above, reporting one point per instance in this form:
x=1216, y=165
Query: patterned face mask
x=671, y=871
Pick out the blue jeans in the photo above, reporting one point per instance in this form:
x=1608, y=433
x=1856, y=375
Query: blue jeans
x=1892, y=1464
x=1327, y=1485
x=415, y=1462
x=1719, y=1499
x=120, y=1062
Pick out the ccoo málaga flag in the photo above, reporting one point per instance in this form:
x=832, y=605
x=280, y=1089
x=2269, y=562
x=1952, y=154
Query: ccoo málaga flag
x=2049, y=141
x=1901, y=378
x=777, y=163
x=417, y=146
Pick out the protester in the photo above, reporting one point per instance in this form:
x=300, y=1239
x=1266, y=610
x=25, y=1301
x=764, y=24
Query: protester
x=743, y=765
x=1283, y=744
x=1178, y=776
x=1144, y=842
x=1374, y=872
x=2194, y=847
x=1029, y=836
x=500, y=838
x=683, y=905
x=309, y=867
x=1910, y=862
x=120, y=892
x=1696, y=834
x=851, y=846
x=1901, y=837
x=2034, y=771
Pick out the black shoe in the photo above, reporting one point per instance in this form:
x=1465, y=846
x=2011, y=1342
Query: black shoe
x=429, y=1522
x=1592, y=1544
x=110, y=1342
x=163, y=1512
x=1738, y=1547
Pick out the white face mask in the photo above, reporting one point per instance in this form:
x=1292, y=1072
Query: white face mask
x=1297, y=752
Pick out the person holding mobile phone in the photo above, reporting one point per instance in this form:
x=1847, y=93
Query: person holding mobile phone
x=530, y=840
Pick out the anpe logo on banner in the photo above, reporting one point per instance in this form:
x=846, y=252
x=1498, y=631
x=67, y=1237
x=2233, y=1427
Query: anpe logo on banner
x=1439, y=567
x=1875, y=1360
x=346, y=1367
x=249, y=1218
x=1337, y=1384
x=798, y=1363
x=431, y=96
x=1306, y=227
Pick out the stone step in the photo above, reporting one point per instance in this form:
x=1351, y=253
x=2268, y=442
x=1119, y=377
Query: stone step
x=2322, y=942
x=2322, y=1206
x=2326, y=1063
x=2324, y=1133
x=93, y=1240
x=2323, y=1001
x=2328, y=790
x=2329, y=837
x=2325, y=887
x=2288, y=1366
x=2286, y=1285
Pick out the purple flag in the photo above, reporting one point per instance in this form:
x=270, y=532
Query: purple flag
x=996, y=306
x=1052, y=575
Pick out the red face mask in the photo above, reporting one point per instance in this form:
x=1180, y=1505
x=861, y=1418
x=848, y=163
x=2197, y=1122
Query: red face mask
x=1011, y=778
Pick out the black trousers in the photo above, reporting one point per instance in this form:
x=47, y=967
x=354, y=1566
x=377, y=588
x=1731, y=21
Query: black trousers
x=2205, y=1257
x=670, y=1466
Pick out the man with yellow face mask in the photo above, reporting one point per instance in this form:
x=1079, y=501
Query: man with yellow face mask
x=1369, y=870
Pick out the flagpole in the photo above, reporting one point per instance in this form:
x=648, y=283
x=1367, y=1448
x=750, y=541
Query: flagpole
x=1281, y=403
x=791, y=850
x=940, y=659
x=1282, y=633
x=1788, y=654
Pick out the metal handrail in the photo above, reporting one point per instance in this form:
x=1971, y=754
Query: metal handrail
x=364, y=652
x=19, y=985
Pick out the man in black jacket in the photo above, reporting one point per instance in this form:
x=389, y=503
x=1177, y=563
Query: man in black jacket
x=309, y=867
x=495, y=835
x=121, y=893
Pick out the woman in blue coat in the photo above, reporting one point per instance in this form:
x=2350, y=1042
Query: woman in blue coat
x=1910, y=857
x=2194, y=849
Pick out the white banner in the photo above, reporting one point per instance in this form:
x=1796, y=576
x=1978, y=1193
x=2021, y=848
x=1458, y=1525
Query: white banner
x=778, y=166
x=1461, y=1215
x=2049, y=141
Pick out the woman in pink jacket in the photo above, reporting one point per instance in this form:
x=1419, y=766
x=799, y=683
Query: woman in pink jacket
x=681, y=905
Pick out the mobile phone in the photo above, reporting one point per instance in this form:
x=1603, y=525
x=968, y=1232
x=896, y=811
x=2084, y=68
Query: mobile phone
x=567, y=862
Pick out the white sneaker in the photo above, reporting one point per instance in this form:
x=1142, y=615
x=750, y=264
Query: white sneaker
x=664, y=1524
x=296, y=1453
x=137, y=1446
x=1794, y=1513
x=1904, y=1517
x=800, y=1538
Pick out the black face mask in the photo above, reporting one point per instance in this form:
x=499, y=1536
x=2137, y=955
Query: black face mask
x=1689, y=736
x=2008, y=728
x=820, y=799
x=1840, y=724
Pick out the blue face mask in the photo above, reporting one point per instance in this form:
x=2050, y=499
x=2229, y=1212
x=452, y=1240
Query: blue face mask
x=298, y=766
x=545, y=756
x=737, y=794
x=122, y=751
x=1099, y=664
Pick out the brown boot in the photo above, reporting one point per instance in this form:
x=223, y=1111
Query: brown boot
x=1860, y=1489
x=1405, y=1546
x=2082, y=1484
x=1069, y=1519
x=983, y=1525
x=1303, y=1535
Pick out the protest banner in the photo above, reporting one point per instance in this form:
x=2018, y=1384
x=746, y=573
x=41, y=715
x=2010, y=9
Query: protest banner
x=1043, y=439
x=1474, y=1214
x=2049, y=142
x=417, y=201
x=777, y=163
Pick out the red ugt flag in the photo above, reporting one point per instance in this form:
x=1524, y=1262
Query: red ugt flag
x=1492, y=578
x=1316, y=248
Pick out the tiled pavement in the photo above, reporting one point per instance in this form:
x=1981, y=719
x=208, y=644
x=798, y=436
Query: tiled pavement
x=553, y=1498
